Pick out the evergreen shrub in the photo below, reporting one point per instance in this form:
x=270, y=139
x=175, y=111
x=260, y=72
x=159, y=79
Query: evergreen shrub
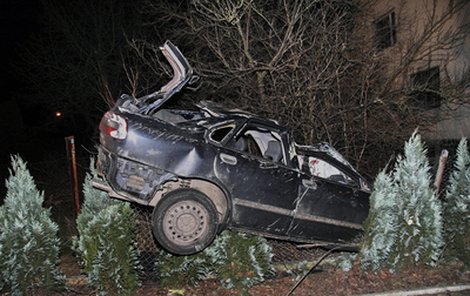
x=237, y=260
x=457, y=207
x=381, y=224
x=404, y=226
x=29, y=242
x=105, y=243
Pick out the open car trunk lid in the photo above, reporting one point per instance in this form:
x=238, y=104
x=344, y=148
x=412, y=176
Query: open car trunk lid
x=182, y=74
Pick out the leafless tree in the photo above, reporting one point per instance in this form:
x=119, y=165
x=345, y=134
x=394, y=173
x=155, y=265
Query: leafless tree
x=284, y=59
x=310, y=64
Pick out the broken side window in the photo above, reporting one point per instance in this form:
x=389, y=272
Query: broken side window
x=218, y=134
x=323, y=169
x=260, y=142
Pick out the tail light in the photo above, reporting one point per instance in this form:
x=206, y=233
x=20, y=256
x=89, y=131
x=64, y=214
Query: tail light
x=114, y=125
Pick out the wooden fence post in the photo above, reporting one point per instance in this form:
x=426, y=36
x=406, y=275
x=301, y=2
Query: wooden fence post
x=440, y=171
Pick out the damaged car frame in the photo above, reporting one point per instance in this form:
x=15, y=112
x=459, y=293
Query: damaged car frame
x=206, y=170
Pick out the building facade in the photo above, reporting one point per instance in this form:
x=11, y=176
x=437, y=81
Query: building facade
x=426, y=48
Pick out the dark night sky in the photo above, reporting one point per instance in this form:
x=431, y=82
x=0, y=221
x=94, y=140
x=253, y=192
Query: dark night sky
x=18, y=21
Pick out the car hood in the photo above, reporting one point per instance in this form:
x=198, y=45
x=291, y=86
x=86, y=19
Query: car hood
x=182, y=74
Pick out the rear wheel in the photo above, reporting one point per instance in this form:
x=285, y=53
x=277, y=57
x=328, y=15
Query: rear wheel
x=185, y=222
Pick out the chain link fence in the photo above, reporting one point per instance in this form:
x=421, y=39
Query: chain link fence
x=283, y=251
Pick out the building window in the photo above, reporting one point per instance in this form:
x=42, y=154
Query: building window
x=385, y=31
x=425, y=87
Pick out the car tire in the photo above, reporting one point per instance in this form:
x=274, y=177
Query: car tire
x=184, y=222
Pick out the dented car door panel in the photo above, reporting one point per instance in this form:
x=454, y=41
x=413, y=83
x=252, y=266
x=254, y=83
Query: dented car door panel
x=262, y=198
x=329, y=210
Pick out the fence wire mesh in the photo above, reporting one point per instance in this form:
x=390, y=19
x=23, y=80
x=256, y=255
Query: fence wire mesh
x=283, y=251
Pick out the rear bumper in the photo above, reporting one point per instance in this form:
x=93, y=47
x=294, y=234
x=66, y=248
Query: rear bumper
x=128, y=179
x=102, y=185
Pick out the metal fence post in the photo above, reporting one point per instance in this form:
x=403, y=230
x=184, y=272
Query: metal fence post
x=72, y=165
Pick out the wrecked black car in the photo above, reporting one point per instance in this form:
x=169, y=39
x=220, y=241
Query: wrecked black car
x=205, y=170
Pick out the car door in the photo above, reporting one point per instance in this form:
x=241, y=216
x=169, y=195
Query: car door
x=330, y=207
x=263, y=188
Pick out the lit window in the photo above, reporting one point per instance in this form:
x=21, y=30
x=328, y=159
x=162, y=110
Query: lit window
x=385, y=31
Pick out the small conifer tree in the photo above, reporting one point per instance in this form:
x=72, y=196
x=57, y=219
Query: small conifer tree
x=29, y=244
x=457, y=207
x=176, y=271
x=419, y=229
x=404, y=226
x=381, y=226
x=238, y=260
x=106, y=241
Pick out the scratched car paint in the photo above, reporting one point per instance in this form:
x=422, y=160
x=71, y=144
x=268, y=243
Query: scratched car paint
x=212, y=168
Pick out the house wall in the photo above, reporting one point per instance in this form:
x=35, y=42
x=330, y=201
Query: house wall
x=413, y=43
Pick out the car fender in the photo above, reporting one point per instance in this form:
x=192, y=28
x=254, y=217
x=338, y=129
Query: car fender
x=214, y=192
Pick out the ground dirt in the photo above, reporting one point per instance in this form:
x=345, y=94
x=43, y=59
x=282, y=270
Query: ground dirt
x=327, y=280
